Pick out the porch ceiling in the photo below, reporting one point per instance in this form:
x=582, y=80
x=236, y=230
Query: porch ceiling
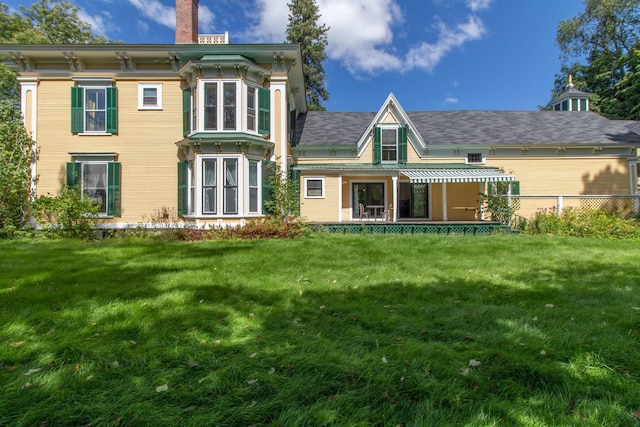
x=456, y=175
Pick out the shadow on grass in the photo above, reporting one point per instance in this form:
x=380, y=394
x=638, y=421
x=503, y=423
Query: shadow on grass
x=555, y=345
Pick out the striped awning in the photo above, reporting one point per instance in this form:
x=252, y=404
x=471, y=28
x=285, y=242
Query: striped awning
x=427, y=176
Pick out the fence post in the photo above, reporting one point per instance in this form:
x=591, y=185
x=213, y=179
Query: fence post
x=560, y=201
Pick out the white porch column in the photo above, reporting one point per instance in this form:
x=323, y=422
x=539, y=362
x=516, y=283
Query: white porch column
x=560, y=205
x=394, y=202
x=279, y=117
x=481, y=207
x=29, y=109
x=444, y=202
x=340, y=197
x=633, y=183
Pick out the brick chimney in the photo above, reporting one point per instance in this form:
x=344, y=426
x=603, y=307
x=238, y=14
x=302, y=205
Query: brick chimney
x=186, y=21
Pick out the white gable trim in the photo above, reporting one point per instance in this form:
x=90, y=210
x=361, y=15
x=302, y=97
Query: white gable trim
x=391, y=105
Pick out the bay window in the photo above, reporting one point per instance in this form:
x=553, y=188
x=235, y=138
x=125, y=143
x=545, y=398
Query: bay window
x=226, y=106
x=220, y=186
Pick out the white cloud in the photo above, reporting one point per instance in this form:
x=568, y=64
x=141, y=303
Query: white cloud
x=361, y=33
x=450, y=100
x=428, y=55
x=98, y=23
x=206, y=20
x=478, y=5
x=166, y=15
x=156, y=11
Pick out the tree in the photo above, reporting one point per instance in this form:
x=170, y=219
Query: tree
x=15, y=169
x=44, y=22
x=606, y=35
x=304, y=30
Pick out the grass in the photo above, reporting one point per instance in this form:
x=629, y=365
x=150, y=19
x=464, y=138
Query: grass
x=325, y=330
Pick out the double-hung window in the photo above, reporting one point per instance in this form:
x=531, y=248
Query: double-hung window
x=209, y=186
x=98, y=182
x=390, y=144
x=252, y=184
x=230, y=193
x=94, y=108
x=211, y=106
x=389, y=141
x=252, y=100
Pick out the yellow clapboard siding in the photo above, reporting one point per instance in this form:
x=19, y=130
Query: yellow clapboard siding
x=145, y=145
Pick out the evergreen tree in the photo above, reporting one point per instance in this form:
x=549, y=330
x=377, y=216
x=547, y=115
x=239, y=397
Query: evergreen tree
x=304, y=30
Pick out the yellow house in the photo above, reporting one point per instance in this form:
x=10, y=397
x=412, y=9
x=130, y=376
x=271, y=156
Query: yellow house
x=189, y=126
x=194, y=126
x=400, y=166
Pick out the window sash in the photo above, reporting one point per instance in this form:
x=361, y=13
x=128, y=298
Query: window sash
x=389, y=145
x=150, y=96
x=229, y=102
x=253, y=186
x=209, y=186
x=251, y=108
x=95, y=109
x=314, y=187
x=230, y=191
x=210, y=106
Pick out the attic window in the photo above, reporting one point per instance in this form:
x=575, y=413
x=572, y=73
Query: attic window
x=474, y=158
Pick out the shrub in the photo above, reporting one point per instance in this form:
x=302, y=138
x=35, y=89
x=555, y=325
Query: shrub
x=586, y=223
x=66, y=215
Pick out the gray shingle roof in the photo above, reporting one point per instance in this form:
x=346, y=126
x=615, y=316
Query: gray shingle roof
x=474, y=127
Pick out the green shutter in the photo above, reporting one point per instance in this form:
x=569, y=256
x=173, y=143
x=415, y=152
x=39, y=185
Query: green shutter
x=112, y=110
x=402, y=145
x=264, y=111
x=292, y=128
x=268, y=173
x=515, y=188
x=77, y=110
x=377, y=145
x=186, y=112
x=183, y=189
x=73, y=174
x=113, y=189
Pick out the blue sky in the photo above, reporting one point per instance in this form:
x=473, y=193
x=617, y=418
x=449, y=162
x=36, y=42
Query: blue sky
x=432, y=54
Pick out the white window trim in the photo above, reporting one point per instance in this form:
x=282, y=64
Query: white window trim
x=86, y=161
x=245, y=105
x=242, y=175
x=306, y=187
x=396, y=128
x=246, y=200
x=240, y=104
x=482, y=162
x=141, y=88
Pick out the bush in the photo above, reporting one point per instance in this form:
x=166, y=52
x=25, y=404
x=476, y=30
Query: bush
x=586, y=223
x=66, y=215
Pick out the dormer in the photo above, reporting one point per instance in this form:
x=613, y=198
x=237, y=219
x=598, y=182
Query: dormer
x=572, y=99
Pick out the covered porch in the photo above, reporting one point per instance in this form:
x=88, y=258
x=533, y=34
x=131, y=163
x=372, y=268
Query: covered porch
x=397, y=193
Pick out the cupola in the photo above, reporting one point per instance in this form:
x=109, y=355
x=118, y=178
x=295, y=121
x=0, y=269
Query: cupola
x=572, y=99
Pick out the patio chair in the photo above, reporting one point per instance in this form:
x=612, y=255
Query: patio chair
x=363, y=212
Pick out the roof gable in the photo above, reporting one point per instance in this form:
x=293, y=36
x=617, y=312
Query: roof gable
x=391, y=112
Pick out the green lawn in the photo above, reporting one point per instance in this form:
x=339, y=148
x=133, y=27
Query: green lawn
x=326, y=330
